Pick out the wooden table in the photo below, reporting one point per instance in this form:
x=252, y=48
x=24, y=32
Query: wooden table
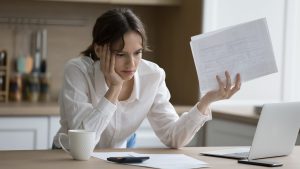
x=50, y=159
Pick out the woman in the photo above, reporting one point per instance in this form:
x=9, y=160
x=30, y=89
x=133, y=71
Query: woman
x=111, y=89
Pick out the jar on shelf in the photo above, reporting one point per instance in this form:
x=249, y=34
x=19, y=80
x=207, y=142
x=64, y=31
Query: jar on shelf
x=44, y=95
x=15, y=87
x=2, y=82
x=31, y=87
x=3, y=57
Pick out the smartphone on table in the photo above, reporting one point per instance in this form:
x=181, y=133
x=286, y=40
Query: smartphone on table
x=128, y=159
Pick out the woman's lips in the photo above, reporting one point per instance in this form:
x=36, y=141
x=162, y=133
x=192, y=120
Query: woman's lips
x=129, y=72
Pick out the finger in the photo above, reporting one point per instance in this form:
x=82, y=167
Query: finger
x=106, y=63
x=237, y=85
x=222, y=91
x=221, y=85
x=102, y=59
x=238, y=82
x=107, y=60
x=238, y=78
x=219, y=82
x=228, y=81
x=112, y=62
x=233, y=91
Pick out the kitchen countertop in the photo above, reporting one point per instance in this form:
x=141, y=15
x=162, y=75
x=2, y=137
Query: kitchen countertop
x=237, y=113
x=29, y=109
x=45, y=109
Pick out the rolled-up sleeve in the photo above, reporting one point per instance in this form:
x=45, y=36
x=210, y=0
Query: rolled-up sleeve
x=174, y=131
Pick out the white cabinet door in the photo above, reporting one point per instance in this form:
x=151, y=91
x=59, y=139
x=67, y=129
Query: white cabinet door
x=228, y=133
x=53, y=128
x=23, y=133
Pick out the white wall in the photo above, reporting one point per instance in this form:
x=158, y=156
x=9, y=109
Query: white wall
x=284, y=31
x=291, y=90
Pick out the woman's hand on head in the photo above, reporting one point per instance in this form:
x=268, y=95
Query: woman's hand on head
x=225, y=91
x=107, y=64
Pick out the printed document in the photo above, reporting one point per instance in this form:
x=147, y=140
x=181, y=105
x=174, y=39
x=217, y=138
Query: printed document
x=165, y=161
x=245, y=48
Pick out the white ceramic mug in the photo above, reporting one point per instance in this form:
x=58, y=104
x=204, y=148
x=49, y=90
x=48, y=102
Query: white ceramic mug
x=81, y=143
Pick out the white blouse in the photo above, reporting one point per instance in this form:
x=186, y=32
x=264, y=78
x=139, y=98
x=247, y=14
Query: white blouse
x=83, y=106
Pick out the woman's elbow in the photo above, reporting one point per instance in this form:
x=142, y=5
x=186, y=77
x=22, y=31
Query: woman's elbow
x=175, y=145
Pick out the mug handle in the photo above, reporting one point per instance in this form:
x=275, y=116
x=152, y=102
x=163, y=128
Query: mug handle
x=60, y=143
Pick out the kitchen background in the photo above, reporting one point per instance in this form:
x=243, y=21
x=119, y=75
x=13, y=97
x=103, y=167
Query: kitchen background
x=51, y=32
x=69, y=26
x=37, y=37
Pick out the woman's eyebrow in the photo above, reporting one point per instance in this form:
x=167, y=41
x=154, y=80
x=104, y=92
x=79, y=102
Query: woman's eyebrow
x=140, y=49
x=118, y=51
x=121, y=51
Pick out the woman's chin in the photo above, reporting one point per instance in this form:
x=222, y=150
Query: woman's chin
x=127, y=77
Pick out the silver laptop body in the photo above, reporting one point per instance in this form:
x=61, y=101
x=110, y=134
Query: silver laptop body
x=275, y=135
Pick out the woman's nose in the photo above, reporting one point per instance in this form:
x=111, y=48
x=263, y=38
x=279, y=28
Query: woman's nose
x=130, y=61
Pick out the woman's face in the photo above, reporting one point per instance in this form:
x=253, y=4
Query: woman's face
x=128, y=58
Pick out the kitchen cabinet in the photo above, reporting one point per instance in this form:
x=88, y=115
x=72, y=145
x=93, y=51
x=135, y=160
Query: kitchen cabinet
x=27, y=133
x=53, y=128
x=221, y=132
x=23, y=133
x=31, y=127
x=34, y=133
x=127, y=2
x=28, y=126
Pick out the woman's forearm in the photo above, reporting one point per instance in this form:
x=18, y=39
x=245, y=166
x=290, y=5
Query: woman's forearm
x=202, y=105
x=113, y=94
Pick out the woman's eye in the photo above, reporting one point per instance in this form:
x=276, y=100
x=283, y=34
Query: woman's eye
x=120, y=54
x=139, y=53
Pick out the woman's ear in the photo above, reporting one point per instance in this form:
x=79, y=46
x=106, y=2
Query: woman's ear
x=97, y=49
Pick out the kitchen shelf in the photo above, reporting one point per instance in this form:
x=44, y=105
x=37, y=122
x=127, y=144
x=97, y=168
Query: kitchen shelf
x=43, y=21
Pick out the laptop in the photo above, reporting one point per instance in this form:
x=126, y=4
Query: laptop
x=275, y=135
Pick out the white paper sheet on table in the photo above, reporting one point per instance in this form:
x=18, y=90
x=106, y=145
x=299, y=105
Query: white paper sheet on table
x=245, y=48
x=166, y=161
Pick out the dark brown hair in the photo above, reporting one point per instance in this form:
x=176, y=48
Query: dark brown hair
x=111, y=26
